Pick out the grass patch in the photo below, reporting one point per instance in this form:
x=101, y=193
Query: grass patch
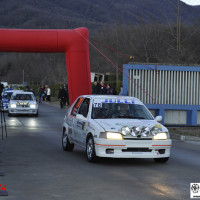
x=191, y=131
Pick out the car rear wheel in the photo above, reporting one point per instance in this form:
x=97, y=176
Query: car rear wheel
x=66, y=144
x=161, y=160
x=9, y=115
x=90, y=150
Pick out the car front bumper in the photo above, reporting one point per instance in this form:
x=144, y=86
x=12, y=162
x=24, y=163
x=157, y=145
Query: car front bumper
x=23, y=111
x=5, y=108
x=133, y=148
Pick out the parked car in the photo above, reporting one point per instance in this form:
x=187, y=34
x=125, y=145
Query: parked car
x=6, y=98
x=23, y=103
x=115, y=126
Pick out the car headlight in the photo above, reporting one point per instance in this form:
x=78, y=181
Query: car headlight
x=135, y=131
x=145, y=132
x=33, y=106
x=13, y=105
x=114, y=136
x=154, y=131
x=125, y=130
x=160, y=136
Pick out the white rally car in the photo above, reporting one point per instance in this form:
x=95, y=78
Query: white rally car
x=6, y=98
x=23, y=103
x=115, y=126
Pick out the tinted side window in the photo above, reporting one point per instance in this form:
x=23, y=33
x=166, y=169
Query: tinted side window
x=84, y=107
x=76, y=106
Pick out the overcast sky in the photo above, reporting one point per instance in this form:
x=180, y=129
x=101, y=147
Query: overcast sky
x=192, y=2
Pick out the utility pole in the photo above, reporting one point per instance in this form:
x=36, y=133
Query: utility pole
x=178, y=31
x=23, y=77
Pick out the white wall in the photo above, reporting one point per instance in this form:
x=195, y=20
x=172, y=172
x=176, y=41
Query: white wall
x=175, y=117
x=198, y=117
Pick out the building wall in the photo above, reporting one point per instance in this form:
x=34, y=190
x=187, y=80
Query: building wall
x=198, y=117
x=177, y=116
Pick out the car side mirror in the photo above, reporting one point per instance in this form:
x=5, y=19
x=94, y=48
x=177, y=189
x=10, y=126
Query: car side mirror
x=80, y=117
x=158, y=118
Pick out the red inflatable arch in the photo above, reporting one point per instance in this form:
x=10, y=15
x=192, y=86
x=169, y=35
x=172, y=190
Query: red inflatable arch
x=73, y=42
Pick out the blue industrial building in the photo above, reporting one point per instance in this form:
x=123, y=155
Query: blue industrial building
x=170, y=91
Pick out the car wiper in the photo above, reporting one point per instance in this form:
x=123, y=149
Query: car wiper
x=129, y=117
x=139, y=117
x=124, y=116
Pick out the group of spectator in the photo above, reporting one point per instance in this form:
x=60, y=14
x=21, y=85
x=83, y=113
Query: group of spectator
x=104, y=89
x=97, y=88
x=44, y=93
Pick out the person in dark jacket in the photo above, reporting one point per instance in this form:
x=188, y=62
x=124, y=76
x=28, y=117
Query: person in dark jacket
x=103, y=89
x=67, y=93
x=63, y=96
x=109, y=90
x=40, y=93
x=1, y=89
x=96, y=88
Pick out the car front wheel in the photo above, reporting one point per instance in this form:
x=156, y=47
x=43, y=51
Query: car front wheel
x=90, y=150
x=37, y=114
x=66, y=144
x=161, y=160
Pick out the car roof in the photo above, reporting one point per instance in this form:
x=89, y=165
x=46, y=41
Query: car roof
x=137, y=101
x=7, y=91
x=22, y=92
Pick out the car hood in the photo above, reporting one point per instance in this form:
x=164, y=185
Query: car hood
x=115, y=125
x=22, y=102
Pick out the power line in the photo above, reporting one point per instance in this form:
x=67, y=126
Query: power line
x=178, y=31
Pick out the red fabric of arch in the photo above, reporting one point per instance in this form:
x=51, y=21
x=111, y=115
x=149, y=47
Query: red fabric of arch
x=72, y=42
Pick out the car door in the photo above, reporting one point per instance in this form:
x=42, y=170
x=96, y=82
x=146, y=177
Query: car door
x=82, y=119
x=72, y=121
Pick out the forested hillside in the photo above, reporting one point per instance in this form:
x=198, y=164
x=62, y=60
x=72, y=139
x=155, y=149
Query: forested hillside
x=145, y=29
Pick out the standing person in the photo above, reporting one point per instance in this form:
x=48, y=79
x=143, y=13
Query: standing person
x=48, y=94
x=44, y=93
x=96, y=88
x=28, y=89
x=67, y=94
x=109, y=90
x=40, y=93
x=103, y=89
x=1, y=89
x=59, y=92
x=62, y=95
x=43, y=87
x=121, y=91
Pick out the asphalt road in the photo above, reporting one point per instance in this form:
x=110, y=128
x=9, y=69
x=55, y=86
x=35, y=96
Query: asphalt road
x=36, y=167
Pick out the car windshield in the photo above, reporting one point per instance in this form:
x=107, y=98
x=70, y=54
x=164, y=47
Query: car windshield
x=22, y=97
x=7, y=95
x=120, y=110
